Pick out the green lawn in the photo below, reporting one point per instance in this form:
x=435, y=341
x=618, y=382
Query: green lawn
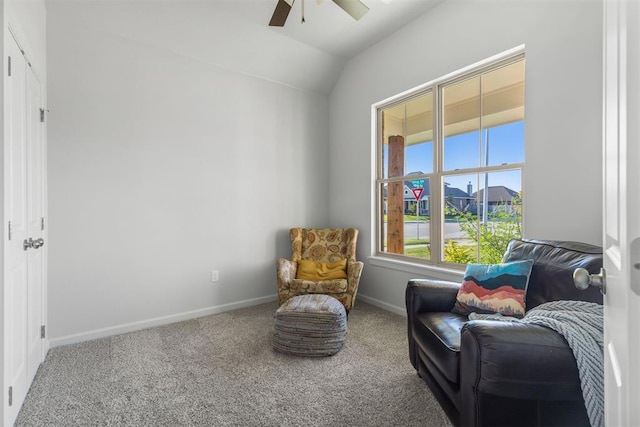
x=409, y=242
x=418, y=252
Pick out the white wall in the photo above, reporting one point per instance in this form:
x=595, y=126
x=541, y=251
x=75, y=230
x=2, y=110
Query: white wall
x=162, y=168
x=562, y=188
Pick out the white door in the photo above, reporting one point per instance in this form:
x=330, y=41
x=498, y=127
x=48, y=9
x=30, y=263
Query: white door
x=16, y=279
x=35, y=224
x=622, y=211
x=23, y=282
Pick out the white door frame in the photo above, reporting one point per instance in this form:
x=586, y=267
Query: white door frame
x=621, y=210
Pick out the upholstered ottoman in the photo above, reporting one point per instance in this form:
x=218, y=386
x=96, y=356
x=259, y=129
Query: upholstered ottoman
x=310, y=325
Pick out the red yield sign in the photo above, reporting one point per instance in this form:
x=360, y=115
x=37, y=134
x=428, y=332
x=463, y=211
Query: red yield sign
x=417, y=192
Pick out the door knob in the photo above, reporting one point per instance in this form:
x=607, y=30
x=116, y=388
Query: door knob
x=30, y=243
x=582, y=279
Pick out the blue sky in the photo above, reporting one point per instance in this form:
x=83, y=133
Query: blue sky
x=506, y=145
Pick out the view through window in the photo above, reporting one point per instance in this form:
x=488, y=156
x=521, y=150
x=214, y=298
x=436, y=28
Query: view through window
x=450, y=167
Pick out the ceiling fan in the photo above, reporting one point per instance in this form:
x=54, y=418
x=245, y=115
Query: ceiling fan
x=355, y=8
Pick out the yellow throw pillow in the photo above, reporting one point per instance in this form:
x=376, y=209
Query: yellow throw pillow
x=312, y=270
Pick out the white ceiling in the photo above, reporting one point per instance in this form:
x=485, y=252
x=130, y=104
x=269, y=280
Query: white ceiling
x=235, y=34
x=327, y=27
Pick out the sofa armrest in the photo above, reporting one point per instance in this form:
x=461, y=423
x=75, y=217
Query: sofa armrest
x=516, y=360
x=427, y=295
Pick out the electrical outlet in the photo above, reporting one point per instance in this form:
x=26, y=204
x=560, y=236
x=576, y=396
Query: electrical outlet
x=214, y=276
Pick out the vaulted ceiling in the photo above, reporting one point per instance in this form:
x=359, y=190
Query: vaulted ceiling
x=327, y=27
x=234, y=34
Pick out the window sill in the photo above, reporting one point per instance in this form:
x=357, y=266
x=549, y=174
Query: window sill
x=428, y=271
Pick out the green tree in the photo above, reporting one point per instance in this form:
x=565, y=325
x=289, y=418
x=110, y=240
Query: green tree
x=412, y=208
x=454, y=252
x=491, y=237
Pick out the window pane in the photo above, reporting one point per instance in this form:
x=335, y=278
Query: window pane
x=505, y=144
x=417, y=233
x=483, y=119
x=503, y=115
x=406, y=213
x=394, y=219
x=382, y=215
x=461, y=124
x=481, y=230
x=407, y=137
x=460, y=240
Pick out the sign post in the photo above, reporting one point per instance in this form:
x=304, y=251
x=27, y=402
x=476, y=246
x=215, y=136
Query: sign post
x=417, y=193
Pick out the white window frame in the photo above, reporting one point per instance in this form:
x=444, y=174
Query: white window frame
x=436, y=177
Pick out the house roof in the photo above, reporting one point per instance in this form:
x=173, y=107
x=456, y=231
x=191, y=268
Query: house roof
x=455, y=192
x=499, y=193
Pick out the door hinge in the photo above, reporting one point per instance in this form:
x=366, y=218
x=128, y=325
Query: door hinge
x=9, y=234
x=43, y=331
x=9, y=66
x=10, y=395
x=42, y=115
x=42, y=223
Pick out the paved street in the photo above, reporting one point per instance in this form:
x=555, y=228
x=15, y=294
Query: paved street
x=414, y=230
x=422, y=229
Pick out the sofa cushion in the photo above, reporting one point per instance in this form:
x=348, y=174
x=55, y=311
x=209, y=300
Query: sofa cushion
x=438, y=336
x=494, y=288
x=552, y=273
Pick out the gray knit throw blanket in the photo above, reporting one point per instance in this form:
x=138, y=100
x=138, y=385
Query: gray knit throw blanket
x=581, y=324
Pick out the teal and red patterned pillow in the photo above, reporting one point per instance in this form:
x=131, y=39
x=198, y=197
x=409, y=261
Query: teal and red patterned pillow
x=494, y=288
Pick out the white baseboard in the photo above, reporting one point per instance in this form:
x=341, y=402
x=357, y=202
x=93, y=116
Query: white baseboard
x=165, y=320
x=383, y=305
x=158, y=321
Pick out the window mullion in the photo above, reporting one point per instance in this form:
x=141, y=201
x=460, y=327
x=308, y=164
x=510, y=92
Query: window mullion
x=436, y=190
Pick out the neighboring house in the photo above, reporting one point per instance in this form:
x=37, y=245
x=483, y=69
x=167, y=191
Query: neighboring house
x=497, y=196
x=457, y=198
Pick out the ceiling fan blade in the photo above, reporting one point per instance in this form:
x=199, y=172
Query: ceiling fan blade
x=281, y=13
x=355, y=8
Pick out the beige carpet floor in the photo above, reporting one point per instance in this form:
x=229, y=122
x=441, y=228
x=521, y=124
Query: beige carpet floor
x=220, y=370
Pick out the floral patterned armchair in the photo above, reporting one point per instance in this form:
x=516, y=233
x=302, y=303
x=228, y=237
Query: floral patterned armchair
x=324, y=245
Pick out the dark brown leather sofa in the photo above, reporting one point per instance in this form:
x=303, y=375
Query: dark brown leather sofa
x=491, y=373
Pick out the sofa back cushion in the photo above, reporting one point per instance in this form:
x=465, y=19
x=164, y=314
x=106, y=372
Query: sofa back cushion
x=553, y=265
